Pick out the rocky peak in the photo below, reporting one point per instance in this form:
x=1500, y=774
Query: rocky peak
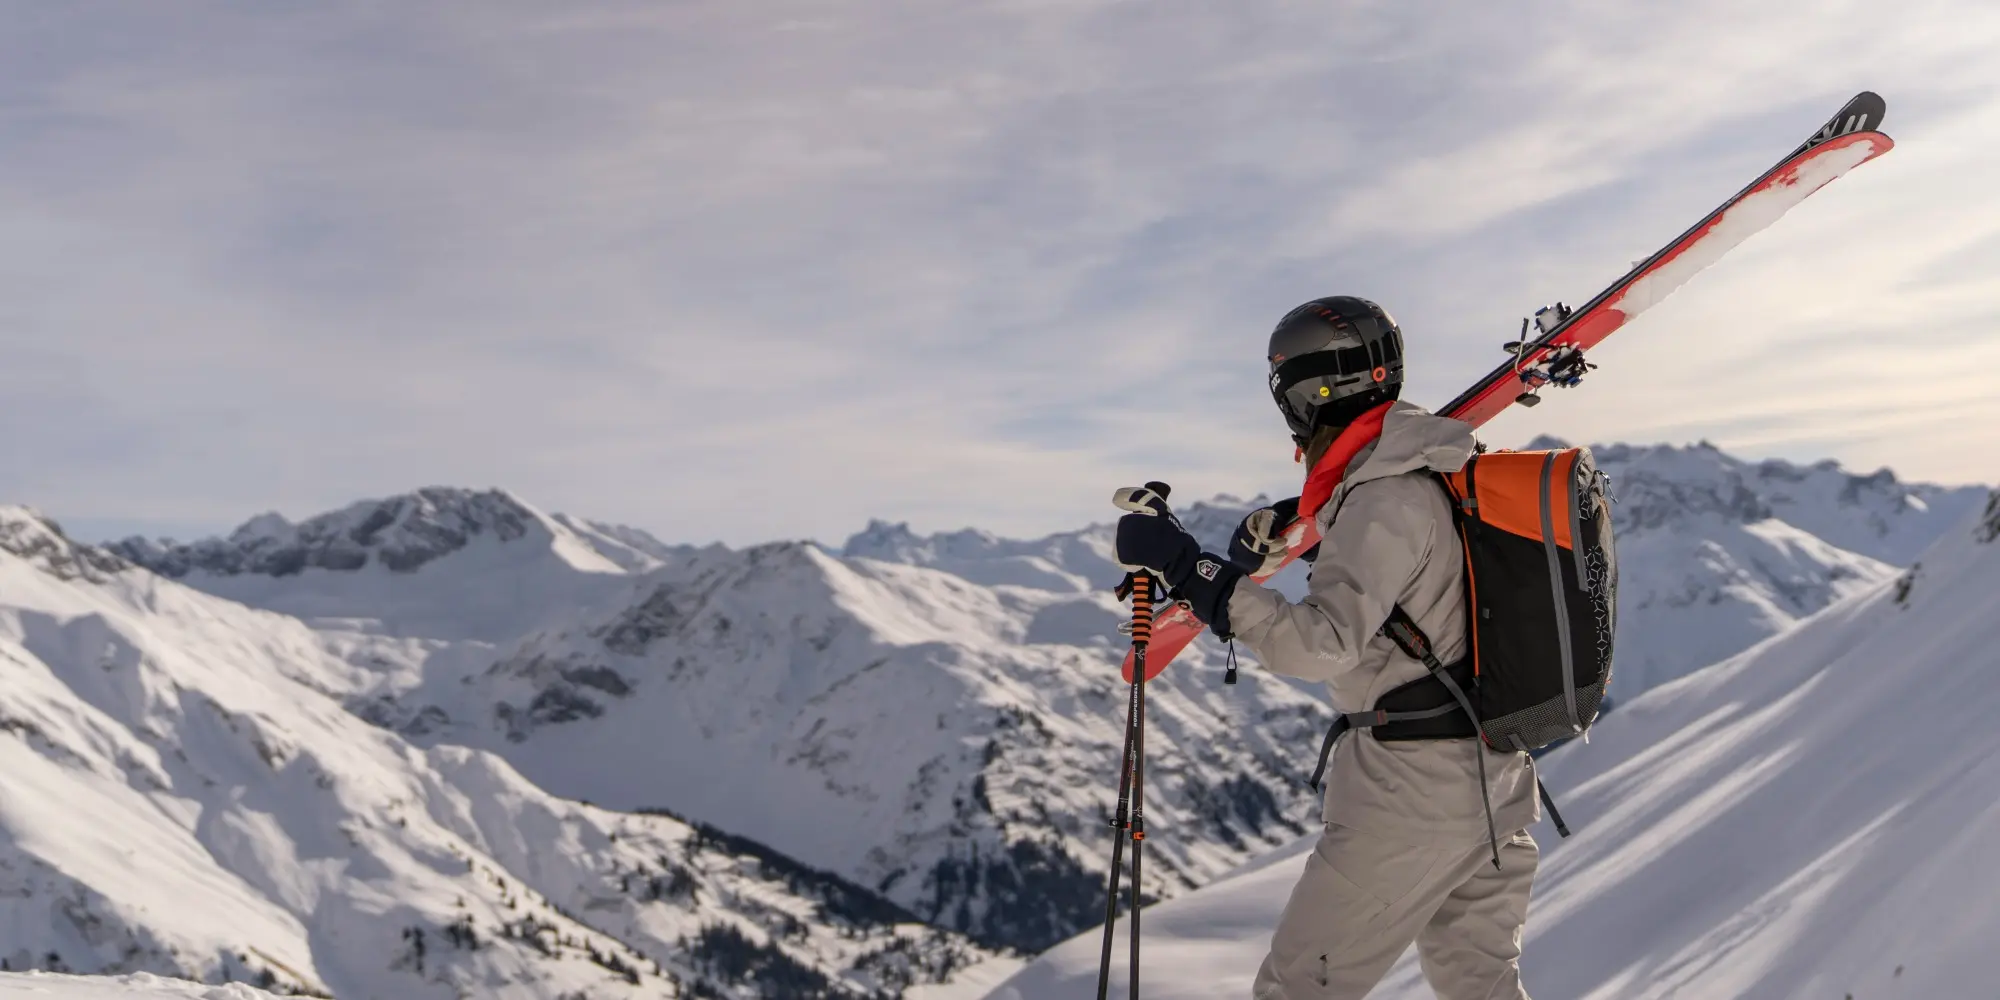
x=887, y=542
x=1655, y=488
x=677, y=601
x=1874, y=514
x=32, y=536
x=401, y=533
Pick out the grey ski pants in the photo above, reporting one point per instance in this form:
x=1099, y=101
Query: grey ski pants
x=1363, y=900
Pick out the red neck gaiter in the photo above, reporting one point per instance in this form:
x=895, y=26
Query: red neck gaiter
x=1326, y=474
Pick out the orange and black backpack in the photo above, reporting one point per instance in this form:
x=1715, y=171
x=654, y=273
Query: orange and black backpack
x=1541, y=587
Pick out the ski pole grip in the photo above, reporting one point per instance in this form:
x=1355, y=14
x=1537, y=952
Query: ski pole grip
x=1139, y=499
x=1142, y=608
x=1140, y=583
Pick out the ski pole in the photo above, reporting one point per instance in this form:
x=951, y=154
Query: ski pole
x=1118, y=820
x=1131, y=777
x=1142, y=634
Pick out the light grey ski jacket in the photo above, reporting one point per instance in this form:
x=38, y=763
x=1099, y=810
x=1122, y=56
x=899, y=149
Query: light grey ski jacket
x=1392, y=542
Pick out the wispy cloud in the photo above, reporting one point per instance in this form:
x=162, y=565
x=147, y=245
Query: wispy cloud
x=745, y=271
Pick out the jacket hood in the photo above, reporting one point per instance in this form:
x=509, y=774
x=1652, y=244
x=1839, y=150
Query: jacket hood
x=1412, y=439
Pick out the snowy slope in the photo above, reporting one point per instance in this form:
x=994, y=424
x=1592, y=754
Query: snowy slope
x=1716, y=553
x=438, y=563
x=436, y=582
x=633, y=549
x=1819, y=816
x=139, y=986
x=946, y=742
x=1071, y=561
x=790, y=672
x=182, y=792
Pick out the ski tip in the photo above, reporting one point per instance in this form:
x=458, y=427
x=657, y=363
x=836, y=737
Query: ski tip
x=1862, y=113
x=1873, y=100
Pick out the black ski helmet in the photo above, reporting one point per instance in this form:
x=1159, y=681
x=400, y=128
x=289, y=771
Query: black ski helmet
x=1332, y=360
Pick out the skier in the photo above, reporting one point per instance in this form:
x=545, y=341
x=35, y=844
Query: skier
x=1421, y=842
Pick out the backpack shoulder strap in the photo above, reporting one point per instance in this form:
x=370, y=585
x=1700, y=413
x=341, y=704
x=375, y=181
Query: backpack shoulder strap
x=1464, y=508
x=1403, y=631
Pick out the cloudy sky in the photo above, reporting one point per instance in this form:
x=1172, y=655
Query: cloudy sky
x=758, y=270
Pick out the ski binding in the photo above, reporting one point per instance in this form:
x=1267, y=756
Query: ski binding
x=1563, y=366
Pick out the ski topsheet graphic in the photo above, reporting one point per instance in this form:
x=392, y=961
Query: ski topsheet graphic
x=1550, y=351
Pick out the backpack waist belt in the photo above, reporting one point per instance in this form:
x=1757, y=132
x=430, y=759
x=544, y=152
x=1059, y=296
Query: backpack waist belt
x=1402, y=630
x=1432, y=707
x=1423, y=709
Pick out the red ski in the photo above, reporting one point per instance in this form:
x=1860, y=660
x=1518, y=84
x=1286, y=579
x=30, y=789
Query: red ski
x=1555, y=357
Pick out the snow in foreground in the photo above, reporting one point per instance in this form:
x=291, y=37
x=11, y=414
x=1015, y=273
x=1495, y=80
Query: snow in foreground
x=1819, y=816
x=144, y=986
x=183, y=791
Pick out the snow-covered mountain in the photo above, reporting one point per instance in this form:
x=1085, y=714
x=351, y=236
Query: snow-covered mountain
x=943, y=741
x=1071, y=561
x=1817, y=816
x=939, y=738
x=184, y=792
x=1715, y=553
x=929, y=715
x=438, y=563
x=138, y=986
x=632, y=549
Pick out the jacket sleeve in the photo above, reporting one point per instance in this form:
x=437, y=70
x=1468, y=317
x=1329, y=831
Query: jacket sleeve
x=1375, y=548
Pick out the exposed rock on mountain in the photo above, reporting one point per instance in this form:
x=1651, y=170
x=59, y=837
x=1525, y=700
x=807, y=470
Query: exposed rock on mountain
x=183, y=793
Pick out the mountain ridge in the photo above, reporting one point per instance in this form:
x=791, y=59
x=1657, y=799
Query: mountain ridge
x=900, y=706
x=938, y=702
x=148, y=729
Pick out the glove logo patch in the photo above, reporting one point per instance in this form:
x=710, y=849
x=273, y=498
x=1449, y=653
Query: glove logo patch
x=1207, y=568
